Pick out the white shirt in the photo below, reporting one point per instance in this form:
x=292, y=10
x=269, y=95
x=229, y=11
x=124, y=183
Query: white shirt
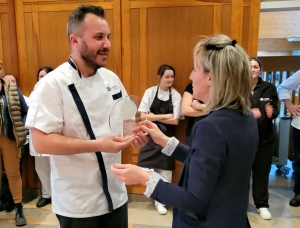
x=32, y=151
x=163, y=95
x=26, y=100
x=76, y=179
x=292, y=83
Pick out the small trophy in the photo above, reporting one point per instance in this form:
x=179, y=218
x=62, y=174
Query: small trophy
x=124, y=117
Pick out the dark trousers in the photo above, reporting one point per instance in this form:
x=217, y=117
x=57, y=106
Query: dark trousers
x=118, y=218
x=5, y=194
x=260, y=173
x=296, y=161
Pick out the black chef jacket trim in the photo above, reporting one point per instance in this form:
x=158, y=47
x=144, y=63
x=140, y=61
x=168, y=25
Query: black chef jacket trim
x=89, y=129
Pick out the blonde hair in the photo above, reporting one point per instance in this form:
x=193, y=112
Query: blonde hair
x=230, y=71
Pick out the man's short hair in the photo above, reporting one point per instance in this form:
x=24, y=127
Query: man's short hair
x=77, y=16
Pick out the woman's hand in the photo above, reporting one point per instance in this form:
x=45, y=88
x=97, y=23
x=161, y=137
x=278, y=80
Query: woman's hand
x=129, y=174
x=269, y=110
x=155, y=133
x=256, y=113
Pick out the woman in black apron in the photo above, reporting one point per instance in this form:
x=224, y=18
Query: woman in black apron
x=193, y=109
x=163, y=106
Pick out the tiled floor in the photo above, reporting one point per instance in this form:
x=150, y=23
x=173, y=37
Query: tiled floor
x=142, y=213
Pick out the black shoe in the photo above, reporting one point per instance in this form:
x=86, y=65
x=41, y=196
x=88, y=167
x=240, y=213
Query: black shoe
x=43, y=202
x=1, y=207
x=20, y=218
x=9, y=207
x=295, y=202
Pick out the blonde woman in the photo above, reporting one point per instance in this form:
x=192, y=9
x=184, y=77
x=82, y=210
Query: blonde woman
x=213, y=187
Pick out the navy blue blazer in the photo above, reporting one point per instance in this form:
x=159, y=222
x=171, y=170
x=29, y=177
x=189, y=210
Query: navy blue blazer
x=213, y=187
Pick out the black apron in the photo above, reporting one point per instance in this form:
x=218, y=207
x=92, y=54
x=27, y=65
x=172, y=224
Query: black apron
x=150, y=155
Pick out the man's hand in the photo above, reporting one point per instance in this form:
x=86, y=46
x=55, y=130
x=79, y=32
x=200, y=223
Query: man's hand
x=113, y=144
x=130, y=174
x=62, y=145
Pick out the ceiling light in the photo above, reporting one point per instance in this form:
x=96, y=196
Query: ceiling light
x=294, y=39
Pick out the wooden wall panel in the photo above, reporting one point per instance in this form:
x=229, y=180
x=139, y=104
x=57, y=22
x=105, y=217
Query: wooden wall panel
x=30, y=62
x=246, y=22
x=281, y=63
x=137, y=75
x=173, y=32
x=225, y=22
x=8, y=41
x=54, y=49
x=44, y=42
x=237, y=20
x=253, y=28
x=156, y=32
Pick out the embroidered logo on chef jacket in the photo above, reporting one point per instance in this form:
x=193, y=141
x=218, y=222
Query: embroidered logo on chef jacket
x=265, y=99
x=115, y=91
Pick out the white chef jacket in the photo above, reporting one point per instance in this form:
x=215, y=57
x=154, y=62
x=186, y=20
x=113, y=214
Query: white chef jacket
x=32, y=151
x=292, y=83
x=76, y=179
x=162, y=95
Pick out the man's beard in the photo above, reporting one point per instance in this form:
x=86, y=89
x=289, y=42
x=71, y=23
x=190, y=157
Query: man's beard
x=88, y=58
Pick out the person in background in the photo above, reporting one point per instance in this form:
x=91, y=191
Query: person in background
x=5, y=194
x=213, y=186
x=161, y=104
x=68, y=118
x=192, y=108
x=264, y=105
x=42, y=162
x=293, y=83
x=13, y=111
x=10, y=77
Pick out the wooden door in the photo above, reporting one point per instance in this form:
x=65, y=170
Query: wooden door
x=42, y=38
x=165, y=31
x=8, y=40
